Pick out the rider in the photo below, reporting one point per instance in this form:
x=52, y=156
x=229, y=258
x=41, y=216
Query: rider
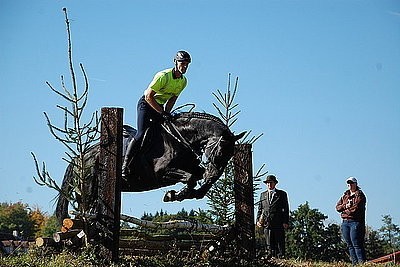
x=158, y=100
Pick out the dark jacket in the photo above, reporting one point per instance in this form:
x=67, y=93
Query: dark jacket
x=356, y=210
x=276, y=213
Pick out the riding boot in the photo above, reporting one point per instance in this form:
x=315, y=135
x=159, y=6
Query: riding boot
x=131, y=152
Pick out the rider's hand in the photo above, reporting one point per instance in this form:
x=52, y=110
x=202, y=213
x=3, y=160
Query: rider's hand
x=166, y=116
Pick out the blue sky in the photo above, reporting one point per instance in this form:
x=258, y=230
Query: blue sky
x=319, y=79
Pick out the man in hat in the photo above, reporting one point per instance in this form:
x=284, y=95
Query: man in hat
x=273, y=217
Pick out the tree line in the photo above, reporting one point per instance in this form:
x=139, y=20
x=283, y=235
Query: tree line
x=27, y=222
x=308, y=237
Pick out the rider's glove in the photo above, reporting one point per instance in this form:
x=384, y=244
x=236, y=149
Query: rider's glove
x=166, y=116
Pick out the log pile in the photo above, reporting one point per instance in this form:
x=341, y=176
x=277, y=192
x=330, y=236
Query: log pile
x=70, y=235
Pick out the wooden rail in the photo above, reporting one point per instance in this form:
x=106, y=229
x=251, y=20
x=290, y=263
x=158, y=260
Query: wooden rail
x=392, y=257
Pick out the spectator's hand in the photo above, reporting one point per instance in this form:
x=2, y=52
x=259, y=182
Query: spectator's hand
x=349, y=204
x=166, y=116
x=259, y=224
x=285, y=226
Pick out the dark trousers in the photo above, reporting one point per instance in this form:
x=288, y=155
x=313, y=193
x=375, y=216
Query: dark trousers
x=146, y=117
x=275, y=241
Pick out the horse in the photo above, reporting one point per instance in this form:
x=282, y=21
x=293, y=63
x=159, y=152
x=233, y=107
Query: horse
x=189, y=148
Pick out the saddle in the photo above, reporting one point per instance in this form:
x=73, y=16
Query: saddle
x=151, y=135
x=128, y=133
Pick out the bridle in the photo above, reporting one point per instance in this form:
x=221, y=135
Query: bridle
x=175, y=133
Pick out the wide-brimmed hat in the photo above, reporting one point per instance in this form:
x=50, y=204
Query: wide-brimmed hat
x=270, y=178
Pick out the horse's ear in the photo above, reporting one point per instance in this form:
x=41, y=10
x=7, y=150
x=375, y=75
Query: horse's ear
x=239, y=136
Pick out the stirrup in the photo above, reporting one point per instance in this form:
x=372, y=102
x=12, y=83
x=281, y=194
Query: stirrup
x=125, y=172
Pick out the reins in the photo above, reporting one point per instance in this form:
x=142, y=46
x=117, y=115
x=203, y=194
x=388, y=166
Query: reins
x=182, y=140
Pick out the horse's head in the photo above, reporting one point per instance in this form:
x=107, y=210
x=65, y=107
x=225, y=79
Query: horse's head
x=208, y=134
x=220, y=149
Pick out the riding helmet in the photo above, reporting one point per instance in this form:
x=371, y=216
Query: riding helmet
x=182, y=56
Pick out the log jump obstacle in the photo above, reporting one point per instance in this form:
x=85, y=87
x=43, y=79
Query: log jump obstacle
x=109, y=204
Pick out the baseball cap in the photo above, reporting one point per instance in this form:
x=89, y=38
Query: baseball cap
x=351, y=180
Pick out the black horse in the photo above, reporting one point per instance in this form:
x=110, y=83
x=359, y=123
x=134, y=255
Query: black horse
x=191, y=147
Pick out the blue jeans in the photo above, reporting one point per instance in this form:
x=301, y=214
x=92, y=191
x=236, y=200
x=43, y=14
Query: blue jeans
x=353, y=233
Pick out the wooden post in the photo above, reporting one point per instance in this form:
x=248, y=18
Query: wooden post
x=110, y=163
x=244, y=200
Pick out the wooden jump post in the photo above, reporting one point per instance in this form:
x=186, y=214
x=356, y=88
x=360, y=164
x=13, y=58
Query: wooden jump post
x=109, y=207
x=110, y=162
x=244, y=200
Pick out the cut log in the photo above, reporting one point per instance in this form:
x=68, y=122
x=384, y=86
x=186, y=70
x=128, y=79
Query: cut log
x=44, y=241
x=69, y=223
x=59, y=236
x=64, y=229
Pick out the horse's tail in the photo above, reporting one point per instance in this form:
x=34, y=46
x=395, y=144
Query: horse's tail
x=62, y=202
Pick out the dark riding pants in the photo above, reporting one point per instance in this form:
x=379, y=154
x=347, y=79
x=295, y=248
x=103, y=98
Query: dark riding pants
x=146, y=117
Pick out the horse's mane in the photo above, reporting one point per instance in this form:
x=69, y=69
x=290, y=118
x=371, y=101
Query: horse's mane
x=198, y=115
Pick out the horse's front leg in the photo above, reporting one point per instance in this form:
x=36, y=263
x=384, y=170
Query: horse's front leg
x=210, y=176
x=202, y=191
x=187, y=192
x=185, y=177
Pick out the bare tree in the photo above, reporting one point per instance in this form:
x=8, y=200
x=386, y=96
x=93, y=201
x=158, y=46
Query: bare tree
x=77, y=136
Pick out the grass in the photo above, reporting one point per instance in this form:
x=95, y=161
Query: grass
x=92, y=258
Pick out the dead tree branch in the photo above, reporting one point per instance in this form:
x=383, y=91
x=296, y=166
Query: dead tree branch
x=75, y=135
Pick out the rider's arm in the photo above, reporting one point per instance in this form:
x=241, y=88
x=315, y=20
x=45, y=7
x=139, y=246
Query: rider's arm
x=149, y=96
x=170, y=103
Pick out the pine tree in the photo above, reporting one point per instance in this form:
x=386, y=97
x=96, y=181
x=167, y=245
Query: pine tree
x=374, y=244
x=306, y=236
x=220, y=198
x=390, y=233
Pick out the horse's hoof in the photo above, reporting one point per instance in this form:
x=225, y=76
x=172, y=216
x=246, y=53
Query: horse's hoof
x=169, y=196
